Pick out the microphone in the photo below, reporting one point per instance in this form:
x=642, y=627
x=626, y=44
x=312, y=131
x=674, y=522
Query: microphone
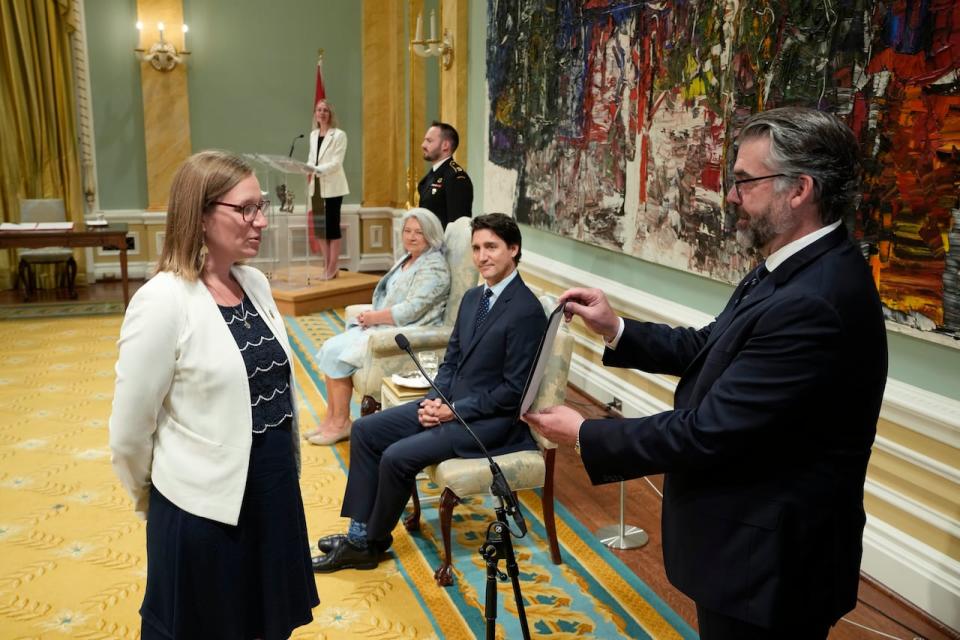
x=500, y=487
x=293, y=144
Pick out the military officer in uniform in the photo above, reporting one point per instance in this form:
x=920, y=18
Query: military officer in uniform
x=446, y=190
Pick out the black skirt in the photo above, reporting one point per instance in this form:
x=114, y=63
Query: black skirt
x=326, y=214
x=207, y=579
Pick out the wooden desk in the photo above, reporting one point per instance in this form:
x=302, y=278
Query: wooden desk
x=113, y=236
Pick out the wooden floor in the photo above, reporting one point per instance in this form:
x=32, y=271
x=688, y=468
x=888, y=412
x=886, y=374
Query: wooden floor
x=878, y=610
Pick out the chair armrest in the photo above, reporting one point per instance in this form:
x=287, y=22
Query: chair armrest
x=383, y=343
x=385, y=358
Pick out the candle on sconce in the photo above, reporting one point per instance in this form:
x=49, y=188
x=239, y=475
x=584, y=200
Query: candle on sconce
x=139, y=26
x=184, y=28
x=433, y=25
x=419, y=36
x=160, y=29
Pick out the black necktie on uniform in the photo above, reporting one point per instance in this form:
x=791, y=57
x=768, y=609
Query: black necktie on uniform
x=483, y=309
x=759, y=274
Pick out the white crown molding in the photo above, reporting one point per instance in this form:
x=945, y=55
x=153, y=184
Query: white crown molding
x=929, y=414
x=917, y=459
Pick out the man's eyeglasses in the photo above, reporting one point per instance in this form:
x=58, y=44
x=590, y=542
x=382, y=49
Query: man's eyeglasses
x=248, y=211
x=736, y=183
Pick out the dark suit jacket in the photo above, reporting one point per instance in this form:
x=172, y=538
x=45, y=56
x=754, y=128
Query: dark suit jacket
x=483, y=372
x=766, y=450
x=447, y=192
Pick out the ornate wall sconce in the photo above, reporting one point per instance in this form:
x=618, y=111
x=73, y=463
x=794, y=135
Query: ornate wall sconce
x=433, y=47
x=162, y=56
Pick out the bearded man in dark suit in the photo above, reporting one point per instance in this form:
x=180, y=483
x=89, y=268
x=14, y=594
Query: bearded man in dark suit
x=765, y=452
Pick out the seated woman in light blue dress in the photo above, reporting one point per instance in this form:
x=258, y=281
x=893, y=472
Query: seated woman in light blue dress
x=412, y=293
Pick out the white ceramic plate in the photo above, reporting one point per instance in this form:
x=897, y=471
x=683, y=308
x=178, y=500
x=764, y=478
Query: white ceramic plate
x=410, y=380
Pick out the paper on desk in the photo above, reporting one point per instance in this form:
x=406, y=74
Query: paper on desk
x=18, y=226
x=54, y=226
x=544, y=351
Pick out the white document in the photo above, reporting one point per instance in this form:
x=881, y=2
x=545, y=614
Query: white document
x=544, y=351
x=54, y=226
x=18, y=226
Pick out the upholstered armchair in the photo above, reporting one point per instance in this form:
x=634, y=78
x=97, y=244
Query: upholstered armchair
x=384, y=358
x=461, y=477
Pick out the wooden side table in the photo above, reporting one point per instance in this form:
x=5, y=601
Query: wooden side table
x=392, y=394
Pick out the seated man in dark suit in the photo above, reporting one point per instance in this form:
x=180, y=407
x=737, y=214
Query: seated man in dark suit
x=491, y=350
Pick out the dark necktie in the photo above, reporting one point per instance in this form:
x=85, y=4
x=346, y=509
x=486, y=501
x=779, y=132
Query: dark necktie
x=759, y=274
x=483, y=309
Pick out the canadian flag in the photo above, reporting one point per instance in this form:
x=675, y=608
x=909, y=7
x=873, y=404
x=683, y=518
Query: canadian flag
x=316, y=219
x=320, y=92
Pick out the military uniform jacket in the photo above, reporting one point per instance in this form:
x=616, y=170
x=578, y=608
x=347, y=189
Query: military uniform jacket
x=447, y=192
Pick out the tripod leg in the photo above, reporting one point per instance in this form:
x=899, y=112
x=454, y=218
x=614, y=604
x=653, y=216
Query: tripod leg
x=514, y=572
x=490, y=604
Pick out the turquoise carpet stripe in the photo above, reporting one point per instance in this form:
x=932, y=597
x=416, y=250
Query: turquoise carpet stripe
x=306, y=351
x=628, y=576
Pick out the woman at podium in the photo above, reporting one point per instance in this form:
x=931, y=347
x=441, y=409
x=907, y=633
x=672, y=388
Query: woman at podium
x=328, y=185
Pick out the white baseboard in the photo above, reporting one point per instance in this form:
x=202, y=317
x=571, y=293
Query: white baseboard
x=111, y=271
x=922, y=575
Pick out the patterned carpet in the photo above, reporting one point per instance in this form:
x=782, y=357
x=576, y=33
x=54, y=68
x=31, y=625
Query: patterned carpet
x=72, y=559
x=59, y=309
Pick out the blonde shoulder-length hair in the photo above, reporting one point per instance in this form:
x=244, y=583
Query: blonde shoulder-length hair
x=203, y=178
x=333, y=114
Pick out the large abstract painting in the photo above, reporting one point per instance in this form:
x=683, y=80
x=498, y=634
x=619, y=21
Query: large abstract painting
x=612, y=122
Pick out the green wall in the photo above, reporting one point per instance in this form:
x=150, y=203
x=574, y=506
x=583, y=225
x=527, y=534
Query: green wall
x=251, y=83
x=912, y=360
x=117, y=103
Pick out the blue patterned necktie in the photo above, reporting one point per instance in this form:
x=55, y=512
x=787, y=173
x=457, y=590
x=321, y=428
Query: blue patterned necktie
x=483, y=309
x=758, y=275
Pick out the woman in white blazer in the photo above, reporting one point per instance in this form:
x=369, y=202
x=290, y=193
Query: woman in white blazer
x=204, y=430
x=328, y=185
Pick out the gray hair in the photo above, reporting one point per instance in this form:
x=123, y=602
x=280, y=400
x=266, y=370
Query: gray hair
x=429, y=224
x=805, y=141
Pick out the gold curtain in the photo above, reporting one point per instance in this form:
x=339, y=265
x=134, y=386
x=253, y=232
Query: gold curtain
x=38, y=156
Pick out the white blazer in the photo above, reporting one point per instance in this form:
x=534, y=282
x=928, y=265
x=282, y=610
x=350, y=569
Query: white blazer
x=333, y=181
x=181, y=407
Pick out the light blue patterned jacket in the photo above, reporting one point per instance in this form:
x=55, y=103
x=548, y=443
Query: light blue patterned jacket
x=415, y=297
x=418, y=295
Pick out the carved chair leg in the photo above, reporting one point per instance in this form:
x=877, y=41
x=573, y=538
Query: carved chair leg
x=25, y=275
x=369, y=405
x=444, y=573
x=71, y=277
x=547, y=504
x=412, y=522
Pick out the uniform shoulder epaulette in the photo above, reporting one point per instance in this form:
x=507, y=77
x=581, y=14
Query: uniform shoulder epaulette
x=456, y=167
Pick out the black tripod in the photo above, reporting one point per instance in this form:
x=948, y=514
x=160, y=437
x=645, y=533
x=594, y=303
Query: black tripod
x=498, y=545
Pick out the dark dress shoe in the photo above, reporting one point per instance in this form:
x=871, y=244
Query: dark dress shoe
x=326, y=544
x=345, y=556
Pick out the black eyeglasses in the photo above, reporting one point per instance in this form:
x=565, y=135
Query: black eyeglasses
x=736, y=183
x=248, y=211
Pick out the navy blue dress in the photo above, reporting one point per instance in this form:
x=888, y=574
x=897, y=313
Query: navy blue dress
x=207, y=579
